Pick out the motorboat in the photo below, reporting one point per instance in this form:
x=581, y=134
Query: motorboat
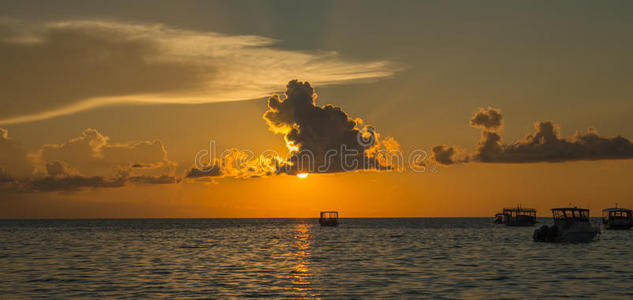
x=519, y=216
x=328, y=218
x=571, y=224
x=617, y=218
x=498, y=218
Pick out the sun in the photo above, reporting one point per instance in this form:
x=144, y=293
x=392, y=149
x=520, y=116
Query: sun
x=302, y=175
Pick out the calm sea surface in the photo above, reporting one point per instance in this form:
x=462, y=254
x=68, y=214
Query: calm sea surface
x=194, y=258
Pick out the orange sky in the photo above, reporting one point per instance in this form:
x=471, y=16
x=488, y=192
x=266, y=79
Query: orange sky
x=116, y=100
x=477, y=190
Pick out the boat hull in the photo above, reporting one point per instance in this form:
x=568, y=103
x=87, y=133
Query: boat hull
x=578, y=236
x=575, y=234
x=497, y=220
x=328, y=222
x=618, y=226
x=522, y=223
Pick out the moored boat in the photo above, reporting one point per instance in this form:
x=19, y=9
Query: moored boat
x=617, y=218
x=571, y=224
x=518, y=216
x=328, y=218
x=498, y=218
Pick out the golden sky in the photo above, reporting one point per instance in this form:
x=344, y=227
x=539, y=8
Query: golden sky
x=105, y=107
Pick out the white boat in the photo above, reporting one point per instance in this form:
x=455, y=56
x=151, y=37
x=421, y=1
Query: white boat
x=571, y=224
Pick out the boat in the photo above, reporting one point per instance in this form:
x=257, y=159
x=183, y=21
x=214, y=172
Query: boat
x=617, y=218
x=329, y=218
x=571, y=224
x=517, y=216
x=498, y=219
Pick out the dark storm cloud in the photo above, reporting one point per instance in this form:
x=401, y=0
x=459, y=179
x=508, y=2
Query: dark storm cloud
x=489, y=119
x=544, y=145
x=321, y=138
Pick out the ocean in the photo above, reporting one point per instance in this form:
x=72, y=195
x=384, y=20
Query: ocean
x=297, y=258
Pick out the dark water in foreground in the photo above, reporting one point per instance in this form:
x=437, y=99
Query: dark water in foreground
x=450, y=258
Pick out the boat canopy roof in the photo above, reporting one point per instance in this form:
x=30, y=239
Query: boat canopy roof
x=615, y=209
x=519, y=209
x=569, y=209
x=329, y=214
x=569, y=213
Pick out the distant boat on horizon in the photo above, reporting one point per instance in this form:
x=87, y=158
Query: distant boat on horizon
x=517, y=216
x=329, y=218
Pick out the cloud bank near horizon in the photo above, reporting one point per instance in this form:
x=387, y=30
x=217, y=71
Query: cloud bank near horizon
x=86, y=161
x=544, y=145
x=59, y=68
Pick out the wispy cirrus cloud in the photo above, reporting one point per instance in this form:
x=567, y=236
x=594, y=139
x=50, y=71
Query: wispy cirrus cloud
x=59, y=68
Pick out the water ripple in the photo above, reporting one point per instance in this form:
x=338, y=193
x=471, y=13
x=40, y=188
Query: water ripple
x=201, y=258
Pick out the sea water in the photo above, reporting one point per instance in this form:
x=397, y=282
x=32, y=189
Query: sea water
x=297, y=258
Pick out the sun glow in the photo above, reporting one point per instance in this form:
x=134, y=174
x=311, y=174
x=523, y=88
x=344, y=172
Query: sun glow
x=302, y=175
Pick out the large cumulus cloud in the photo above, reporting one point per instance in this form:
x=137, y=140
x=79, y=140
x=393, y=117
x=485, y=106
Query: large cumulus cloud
x=319, y=139
x=543, y=145
x=322, y=138
x=57, y=68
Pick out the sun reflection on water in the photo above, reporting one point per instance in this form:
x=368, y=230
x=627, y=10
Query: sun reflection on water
x=301, y=275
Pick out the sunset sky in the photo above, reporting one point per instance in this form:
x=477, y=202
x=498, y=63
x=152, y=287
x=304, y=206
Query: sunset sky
x=105, y=105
